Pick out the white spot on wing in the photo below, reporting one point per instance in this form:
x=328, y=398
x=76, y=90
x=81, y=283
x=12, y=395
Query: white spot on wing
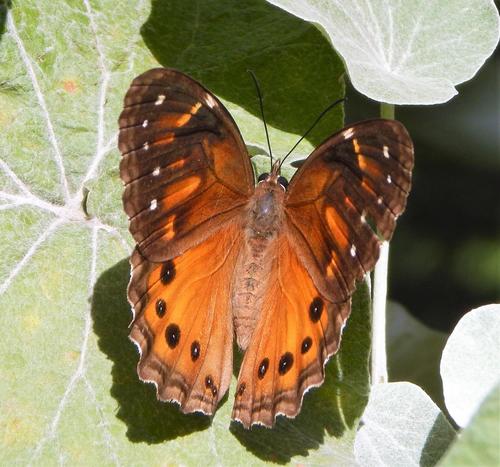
x=363, y=217
x=211, y=101
x=386, y=152
x=348, y=133
x=160, y=99
x=153, y=205
x=379, y=200
x=156, y=172
x=389, y=179
x=353, y=250
x=145, y=124
x=145, y=146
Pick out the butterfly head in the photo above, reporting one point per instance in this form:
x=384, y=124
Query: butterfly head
x=274, y=178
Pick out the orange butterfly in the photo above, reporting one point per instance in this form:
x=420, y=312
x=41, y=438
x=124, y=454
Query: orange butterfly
x=217, y=256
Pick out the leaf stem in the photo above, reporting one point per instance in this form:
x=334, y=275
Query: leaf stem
x=379, y=298
x=386, y=110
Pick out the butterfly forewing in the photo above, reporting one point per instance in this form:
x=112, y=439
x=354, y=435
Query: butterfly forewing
x=184, y=163
x=356, y=181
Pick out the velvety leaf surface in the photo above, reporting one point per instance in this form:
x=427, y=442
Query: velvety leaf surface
x=406, y=52
x=478, y=443
x=69, y=393
x=470, y=365
x=401, y=426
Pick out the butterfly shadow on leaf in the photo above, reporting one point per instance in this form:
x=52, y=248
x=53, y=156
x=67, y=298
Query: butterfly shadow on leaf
x=148, y=420
x=332, y=410
x=4, y=7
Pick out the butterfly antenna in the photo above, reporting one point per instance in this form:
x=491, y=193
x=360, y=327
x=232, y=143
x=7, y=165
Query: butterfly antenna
x=262, y=113
x=321, y=115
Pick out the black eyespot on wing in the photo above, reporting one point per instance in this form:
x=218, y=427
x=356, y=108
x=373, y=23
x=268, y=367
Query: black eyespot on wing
x=283, y=182
x=173, y=335
x=195, y=350
x=306, y=345
x=167, y=274
x=264, y=365
x=262, y=177
x=315, y=309
x=209, y=382
x=161, y=308
x=286, y=362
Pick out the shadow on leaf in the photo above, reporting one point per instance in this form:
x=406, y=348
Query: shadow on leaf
x=438, y=441
x=321, y=413
x=5, y=5
x=148, y=420
x=217, y=41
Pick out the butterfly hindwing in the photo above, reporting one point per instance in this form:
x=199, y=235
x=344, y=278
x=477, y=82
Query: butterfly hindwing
x=298, y=331
x=185, y=167
x=182, y=321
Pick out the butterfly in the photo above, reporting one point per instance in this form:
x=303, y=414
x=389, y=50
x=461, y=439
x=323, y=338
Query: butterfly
x=218, y=256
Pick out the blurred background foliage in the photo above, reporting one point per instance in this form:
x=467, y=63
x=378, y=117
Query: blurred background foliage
x=445, y=255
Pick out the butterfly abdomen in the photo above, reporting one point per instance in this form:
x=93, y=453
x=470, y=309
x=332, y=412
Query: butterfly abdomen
x=264, y=219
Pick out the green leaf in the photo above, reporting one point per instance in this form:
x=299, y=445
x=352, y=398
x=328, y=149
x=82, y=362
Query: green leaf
x=470, y=365
x=478, y=443
x=401, y=426
x=406, y=52
x=414, y=352
x=69, y=392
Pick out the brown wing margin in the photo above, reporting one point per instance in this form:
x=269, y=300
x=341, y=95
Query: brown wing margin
x=185, y=167
x=351, y=188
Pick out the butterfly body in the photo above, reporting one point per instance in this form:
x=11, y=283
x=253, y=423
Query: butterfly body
x=219, y=257
x=262, y=224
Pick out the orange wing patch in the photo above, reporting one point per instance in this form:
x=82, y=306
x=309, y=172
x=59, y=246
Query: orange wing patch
x=177, y=120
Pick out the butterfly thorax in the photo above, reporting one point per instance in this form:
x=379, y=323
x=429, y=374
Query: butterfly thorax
x=263, y=222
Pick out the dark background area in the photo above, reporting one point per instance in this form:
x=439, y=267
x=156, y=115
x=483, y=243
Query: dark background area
x=445, y=255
